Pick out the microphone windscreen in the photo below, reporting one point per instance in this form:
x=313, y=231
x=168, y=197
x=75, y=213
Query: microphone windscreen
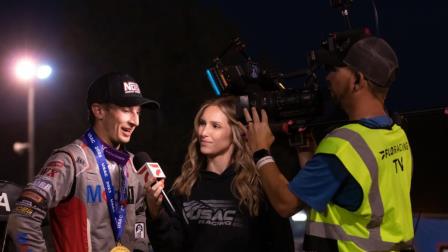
x=140, y=159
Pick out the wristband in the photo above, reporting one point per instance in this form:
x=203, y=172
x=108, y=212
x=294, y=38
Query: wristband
x=264, y=160
x=259, y=154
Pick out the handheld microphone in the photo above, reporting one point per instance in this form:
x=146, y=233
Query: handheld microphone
x=146, y=168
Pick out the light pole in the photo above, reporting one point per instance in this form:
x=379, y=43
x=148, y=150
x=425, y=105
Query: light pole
x=30, y=171
x=27, y=71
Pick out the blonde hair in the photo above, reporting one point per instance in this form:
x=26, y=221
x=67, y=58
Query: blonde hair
x=246, y=185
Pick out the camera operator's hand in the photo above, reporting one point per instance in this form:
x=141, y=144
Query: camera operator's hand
x=259, y=135
x=306, y=150
x=309, y=142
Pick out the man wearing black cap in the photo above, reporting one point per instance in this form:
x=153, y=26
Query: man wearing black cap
x=90, y=187
x=357, y=181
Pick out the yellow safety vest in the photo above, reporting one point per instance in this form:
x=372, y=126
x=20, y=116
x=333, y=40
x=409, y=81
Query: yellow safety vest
x=380, y=161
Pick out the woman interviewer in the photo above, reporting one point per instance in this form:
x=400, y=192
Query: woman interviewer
x=218, y=194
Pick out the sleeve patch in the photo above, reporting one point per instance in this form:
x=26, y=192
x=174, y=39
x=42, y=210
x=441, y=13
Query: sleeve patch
x=22, y=238
x=23, y=210
x=42, y=184
x=56, y=164
x=34, y=196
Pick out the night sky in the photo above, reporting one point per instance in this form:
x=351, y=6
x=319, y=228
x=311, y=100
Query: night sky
x=167, y=45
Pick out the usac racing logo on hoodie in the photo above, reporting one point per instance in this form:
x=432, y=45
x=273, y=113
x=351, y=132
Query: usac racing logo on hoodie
x=212, y=212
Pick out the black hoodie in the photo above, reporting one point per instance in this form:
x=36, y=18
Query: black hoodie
x=212, y=220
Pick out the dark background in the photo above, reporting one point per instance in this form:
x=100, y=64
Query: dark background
x=167, y=45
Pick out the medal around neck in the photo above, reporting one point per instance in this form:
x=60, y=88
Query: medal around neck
x=119, y=248
x=117, y=210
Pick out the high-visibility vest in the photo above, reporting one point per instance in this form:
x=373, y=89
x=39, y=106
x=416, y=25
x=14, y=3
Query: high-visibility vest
x=380, y=161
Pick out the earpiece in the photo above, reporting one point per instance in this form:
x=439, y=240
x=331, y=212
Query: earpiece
x=357, y=78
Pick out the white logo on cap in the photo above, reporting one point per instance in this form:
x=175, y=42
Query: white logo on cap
x=131, y=87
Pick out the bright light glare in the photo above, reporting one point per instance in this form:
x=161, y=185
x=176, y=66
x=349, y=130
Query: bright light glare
x=300, y=216
x=43, y=71
x=25, y=69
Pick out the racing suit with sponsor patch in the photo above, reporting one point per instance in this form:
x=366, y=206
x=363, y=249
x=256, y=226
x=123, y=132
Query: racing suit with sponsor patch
x=71, y=189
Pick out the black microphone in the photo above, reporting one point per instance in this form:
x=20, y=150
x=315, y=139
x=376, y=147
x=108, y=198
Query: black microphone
x=146, y=167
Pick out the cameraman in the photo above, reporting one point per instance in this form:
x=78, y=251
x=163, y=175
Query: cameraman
x=357, y=181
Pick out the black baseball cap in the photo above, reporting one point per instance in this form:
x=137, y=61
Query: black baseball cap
x=119, y=89
x=373, y=57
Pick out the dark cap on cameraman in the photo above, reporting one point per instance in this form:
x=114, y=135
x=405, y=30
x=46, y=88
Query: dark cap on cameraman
x=119, y=89
x=373, y=57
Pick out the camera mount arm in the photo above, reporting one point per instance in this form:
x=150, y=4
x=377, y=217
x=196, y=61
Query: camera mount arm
x=344, y=6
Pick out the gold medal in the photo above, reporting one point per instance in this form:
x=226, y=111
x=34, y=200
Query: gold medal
x=119, y=248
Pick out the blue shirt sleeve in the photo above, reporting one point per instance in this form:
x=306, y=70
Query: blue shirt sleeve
x=323, y=179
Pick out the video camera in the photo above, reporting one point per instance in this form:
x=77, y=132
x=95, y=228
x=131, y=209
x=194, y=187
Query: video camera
x=261, y=88
x=288, y=109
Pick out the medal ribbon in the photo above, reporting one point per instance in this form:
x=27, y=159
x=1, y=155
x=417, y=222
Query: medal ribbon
x=117, y=210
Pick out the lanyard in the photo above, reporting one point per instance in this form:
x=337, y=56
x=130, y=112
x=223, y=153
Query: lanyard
x=117, y=210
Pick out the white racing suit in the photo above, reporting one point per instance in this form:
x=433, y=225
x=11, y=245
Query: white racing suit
x=70, y=188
